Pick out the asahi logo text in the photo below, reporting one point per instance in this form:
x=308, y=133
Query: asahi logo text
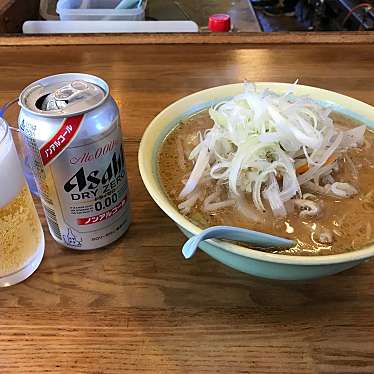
x=95, y=184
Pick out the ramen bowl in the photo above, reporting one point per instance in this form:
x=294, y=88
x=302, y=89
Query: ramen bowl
x=251, y=261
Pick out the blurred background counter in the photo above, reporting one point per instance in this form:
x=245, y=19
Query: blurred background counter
x=246, y=15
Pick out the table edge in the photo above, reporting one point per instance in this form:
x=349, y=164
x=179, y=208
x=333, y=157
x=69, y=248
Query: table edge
x=253, y=38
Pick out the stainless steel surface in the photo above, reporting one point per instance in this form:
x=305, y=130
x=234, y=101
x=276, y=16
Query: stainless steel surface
x=241, y=11
x=242, y=15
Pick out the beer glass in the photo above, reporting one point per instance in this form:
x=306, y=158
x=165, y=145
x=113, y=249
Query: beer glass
x=21, y=234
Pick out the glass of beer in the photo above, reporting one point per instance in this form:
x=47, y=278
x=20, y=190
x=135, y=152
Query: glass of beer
x=21, y=234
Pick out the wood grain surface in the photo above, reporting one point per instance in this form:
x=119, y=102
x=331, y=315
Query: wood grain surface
x=138, y=306
x=255, y=38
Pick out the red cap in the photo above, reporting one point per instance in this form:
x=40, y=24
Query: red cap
x=219, y=23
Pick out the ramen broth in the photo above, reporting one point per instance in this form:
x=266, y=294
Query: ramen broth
x=349, y=221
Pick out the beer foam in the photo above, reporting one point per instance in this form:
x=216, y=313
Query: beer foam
x=11, y=174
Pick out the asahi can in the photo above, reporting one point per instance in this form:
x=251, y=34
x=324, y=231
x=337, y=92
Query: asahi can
x=71, y=130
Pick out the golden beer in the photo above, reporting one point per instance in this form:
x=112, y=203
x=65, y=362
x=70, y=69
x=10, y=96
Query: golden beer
x=21, y=235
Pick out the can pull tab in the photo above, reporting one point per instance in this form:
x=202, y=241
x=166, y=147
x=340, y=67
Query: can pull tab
x=71, y=91
x=71, y=96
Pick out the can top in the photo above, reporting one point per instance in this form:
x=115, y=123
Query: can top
x=64, y=95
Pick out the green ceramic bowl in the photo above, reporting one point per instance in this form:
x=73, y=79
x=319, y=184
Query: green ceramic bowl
x=246, y=260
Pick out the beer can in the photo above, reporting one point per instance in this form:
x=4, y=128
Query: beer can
x=71, y=130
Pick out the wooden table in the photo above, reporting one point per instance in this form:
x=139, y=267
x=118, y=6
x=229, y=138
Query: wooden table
x=138, y=306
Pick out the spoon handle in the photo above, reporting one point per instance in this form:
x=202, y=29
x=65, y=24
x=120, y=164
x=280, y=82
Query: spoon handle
x=256, y=238
x=190, y=247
